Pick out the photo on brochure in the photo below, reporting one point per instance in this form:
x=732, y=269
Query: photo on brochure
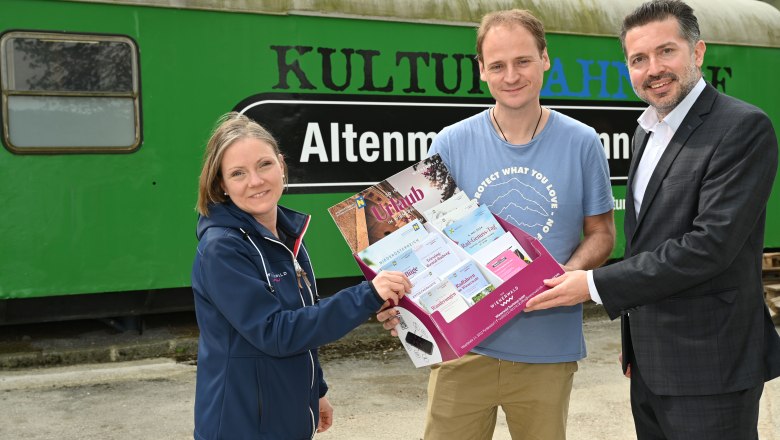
x=374, y=213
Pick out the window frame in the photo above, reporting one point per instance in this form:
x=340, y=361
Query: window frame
x=134, y=94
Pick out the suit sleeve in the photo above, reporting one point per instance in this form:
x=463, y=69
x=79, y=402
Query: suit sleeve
x=732, y=196
x=245, y=300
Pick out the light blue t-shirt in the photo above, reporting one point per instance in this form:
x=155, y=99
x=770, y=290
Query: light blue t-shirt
x=545, y=187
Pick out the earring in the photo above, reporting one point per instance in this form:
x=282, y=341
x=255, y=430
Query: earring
x=224, y=193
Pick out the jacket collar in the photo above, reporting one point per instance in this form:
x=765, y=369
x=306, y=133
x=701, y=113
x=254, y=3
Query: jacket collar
x=649, y=118
x=701, y=107
x=292, y=223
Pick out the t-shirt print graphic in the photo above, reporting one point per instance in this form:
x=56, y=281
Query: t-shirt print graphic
x=529, y=206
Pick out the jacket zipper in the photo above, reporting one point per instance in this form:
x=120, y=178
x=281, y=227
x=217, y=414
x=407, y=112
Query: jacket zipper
x=313, y=427
x=301, y=274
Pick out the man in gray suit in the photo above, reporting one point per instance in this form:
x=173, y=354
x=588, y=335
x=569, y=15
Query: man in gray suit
x=698, y=342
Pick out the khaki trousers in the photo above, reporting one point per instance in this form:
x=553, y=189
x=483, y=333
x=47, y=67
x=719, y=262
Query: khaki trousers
x=464, y=395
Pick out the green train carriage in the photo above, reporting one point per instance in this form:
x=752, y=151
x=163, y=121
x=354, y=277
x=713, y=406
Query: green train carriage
x=106, y=106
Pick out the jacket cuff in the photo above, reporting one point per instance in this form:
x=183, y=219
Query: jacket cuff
x=323, y=388
x=379, y=299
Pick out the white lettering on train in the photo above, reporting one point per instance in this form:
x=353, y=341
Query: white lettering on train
x=616, y=145
x=365, y=146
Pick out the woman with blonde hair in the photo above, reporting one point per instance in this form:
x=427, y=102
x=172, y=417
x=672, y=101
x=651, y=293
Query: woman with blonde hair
x=256, y=300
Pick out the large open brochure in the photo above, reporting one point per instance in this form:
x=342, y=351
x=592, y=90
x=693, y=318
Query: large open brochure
x=375, y=212
x=471, y=271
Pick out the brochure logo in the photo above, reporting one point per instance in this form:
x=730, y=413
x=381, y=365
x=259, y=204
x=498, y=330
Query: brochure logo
x=360, y=202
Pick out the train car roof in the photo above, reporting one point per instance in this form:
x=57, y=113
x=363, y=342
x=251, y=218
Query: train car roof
x=739, y=22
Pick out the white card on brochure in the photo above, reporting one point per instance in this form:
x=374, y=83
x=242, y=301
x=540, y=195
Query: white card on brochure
x=445, y=299
x=470, y=283
x=436, y=254
x=438, y=215
x=475, y=231
x=494, y=256
x=381, y=252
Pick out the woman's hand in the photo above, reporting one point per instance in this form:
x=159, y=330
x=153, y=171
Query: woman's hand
x=326, y=415
x=391, y=285
x=388, y=316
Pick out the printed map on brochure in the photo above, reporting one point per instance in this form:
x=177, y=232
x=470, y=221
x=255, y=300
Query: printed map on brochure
x=375, y=212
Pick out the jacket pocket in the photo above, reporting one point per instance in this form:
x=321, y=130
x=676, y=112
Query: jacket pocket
x=239, y=408
x=727, y=295
x=673, y=181
x=700, y=317
x=284, y=385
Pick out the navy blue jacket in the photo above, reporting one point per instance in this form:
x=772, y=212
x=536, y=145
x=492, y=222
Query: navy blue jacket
x=260, y=325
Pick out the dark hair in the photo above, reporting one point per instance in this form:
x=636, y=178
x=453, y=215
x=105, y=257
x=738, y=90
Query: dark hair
x=659, y=10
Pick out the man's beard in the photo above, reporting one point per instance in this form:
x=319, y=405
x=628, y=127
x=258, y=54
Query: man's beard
x=687, y=83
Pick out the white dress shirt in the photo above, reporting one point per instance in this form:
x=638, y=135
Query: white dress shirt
x=661, y=132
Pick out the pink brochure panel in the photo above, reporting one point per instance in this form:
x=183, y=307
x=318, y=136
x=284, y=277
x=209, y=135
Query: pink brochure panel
x=458, y=337
x=505, y=302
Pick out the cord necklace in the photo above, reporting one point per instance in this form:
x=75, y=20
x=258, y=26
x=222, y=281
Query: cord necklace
x=502, y=131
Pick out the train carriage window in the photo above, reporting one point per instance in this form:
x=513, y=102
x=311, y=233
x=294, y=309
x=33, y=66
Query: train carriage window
x=69, y=93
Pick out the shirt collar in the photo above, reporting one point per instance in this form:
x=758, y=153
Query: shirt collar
x=649, y=118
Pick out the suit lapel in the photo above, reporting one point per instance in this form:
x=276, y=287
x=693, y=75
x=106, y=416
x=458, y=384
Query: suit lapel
x=639, y=140
x=689, y=124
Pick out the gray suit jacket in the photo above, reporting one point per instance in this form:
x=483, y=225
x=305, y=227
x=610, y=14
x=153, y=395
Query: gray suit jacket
x=689, y=288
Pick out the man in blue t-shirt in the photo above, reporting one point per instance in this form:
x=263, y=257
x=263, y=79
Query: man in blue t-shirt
x=547, y=174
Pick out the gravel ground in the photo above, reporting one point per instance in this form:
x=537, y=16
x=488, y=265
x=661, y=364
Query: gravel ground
x=377, y=394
